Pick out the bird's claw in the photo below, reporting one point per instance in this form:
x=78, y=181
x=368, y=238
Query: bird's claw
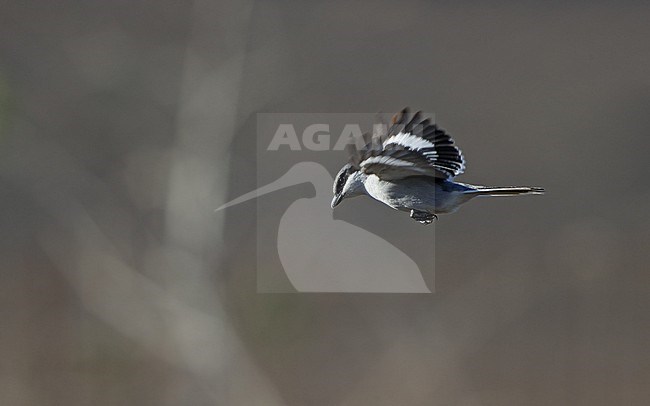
x=423, y=217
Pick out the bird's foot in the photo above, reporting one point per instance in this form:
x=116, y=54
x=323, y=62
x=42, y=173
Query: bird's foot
x=423, y=216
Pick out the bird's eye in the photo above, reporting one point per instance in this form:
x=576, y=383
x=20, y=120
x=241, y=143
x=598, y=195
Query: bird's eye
x=340, y=182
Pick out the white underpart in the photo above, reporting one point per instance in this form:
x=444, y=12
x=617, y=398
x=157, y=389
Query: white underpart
x=410, y=141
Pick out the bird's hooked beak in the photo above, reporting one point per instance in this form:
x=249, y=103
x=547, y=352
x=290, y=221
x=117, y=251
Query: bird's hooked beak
x=336, y=200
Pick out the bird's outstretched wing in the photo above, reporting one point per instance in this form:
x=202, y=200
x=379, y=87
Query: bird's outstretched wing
x=412, y=147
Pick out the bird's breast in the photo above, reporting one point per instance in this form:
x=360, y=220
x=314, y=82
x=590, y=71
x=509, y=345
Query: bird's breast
x=421, y=193
x=418, y=193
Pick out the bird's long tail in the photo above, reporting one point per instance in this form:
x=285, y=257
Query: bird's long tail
x=507, y=191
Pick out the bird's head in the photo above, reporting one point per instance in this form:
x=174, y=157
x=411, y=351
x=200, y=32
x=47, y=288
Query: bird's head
x=348, y=183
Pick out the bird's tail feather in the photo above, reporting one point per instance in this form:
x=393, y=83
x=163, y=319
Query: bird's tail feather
x=508, y=191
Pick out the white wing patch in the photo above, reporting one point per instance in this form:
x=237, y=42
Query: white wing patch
x=386, y=160
x=410, y=141
x=412, y=147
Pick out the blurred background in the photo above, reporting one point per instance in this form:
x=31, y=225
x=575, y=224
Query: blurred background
x=123, y=124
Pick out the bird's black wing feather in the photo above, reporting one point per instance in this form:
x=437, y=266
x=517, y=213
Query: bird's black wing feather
x=412, y=147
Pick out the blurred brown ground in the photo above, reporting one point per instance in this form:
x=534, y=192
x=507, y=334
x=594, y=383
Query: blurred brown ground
x=122, y=123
